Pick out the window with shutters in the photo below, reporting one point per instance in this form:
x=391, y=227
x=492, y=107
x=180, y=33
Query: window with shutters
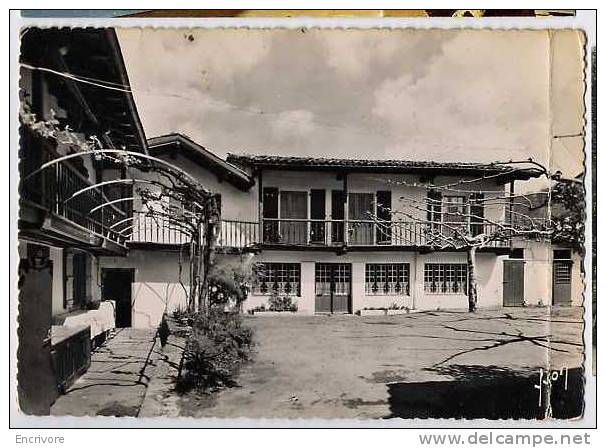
x=450, y=213
x=387, y=279
x=277, y=279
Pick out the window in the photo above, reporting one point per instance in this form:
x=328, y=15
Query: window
x=562, y=254
x=277, y=278
x=293, y=217
x=388, y=279
x=442, y=278
x=517, y=253
x=361, y=212
x=75, y=279
x=446, y=213
x=455, y=210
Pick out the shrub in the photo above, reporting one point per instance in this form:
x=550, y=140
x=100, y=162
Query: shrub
x=214, y=351
x=277, y=303
x=180, y=313
x=228, y=282
x=163, y=331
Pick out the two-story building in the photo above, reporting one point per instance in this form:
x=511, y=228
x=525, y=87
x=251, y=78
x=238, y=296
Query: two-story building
x=333, y=235
x=73, y=87
x=355, y=234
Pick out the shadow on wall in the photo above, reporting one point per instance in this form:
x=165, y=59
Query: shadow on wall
x=489, y=392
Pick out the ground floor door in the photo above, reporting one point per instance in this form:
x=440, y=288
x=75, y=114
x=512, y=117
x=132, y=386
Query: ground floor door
x=117, y=286
x=513, y=282
x=333, y=288
x=562, y=275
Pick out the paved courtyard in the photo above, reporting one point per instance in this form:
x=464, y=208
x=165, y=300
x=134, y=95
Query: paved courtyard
x=421, y=364
x=117, y=380
x=429, y=364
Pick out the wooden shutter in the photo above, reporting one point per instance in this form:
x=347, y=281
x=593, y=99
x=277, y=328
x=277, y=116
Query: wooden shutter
x=79, y=276
x=270, y=202
x=318, y=204
x=338, y=213
x=384, y=215
x=318, y=211
x=338, y=204
x=476, y=209
x=271, y=232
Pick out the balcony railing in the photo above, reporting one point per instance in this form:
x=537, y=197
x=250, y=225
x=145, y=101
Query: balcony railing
x=147, y=228
x=53, y=188
x=156, y=229
x=312, y=232
x=238, y=234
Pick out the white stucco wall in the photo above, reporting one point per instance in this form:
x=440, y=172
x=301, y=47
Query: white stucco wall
x=578, y=282
x=56, y=256
x=235, y=203
x=489, y=267
x=538, y=273
x=156, y=287
x=405, y=195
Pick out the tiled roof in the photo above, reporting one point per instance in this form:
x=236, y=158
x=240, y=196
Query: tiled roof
x=179, y=142
x=387, y=166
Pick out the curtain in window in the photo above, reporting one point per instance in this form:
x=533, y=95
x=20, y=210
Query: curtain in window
x=361, y=208
x=293, y=207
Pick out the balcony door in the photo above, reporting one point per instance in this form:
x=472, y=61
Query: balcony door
x=333, y=288
x=361, y=225
x=293, y=217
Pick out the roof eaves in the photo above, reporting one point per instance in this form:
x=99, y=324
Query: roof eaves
x=233, y=174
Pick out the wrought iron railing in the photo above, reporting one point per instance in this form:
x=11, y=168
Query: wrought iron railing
x=147, y=228
x=53, y=188
x=370, y=233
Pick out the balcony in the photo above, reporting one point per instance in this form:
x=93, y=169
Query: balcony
x=300, y=233
x=52, y=190
x=154, y=229
x=331, y=233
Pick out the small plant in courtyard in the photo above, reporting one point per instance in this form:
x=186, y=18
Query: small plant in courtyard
x=215, y=349
x=277, y=303
x=163, y=331
x=228, y=282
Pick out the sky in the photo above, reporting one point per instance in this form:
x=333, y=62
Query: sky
x=439, y=95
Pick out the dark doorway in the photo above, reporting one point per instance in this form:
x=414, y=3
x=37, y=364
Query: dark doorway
x=513, y=282
x=333, y=288
x=117, y=286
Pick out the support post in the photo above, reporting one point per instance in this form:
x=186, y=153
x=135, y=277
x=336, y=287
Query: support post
x=345, y=211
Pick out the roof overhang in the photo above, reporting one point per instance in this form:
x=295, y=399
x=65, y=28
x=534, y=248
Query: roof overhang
x=500, y=173
x=86, y=65
x=178, y=143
